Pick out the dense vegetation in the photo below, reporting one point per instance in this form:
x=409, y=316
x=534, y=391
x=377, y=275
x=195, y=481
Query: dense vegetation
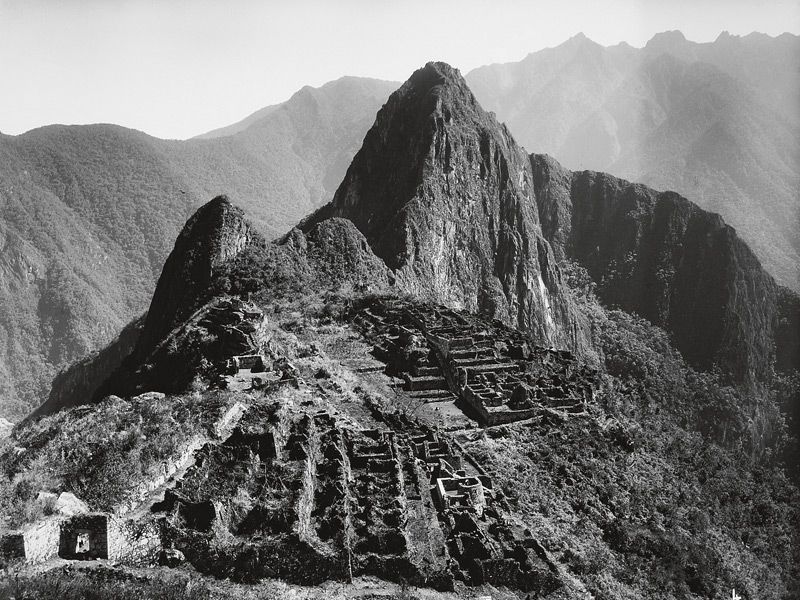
x=98, y=452
x=680, y=490
x=104, y=585
x=167, y=584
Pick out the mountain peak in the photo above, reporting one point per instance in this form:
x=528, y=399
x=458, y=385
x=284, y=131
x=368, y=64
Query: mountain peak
x=411, y=140
x=578, y=38
x=437, y=189
x=440, y=69
x=434, y=80
x=218, y=203
x=216, y=233
x=666, y=40
x=579, y=41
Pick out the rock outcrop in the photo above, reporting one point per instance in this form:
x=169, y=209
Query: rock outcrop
x=5, y=428
x=215, y=234
x=444, y=195
x=661, y=256
x=787, y=331
x=196, y=350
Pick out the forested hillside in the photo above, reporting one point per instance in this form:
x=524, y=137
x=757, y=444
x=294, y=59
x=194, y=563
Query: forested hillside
x=89, y=214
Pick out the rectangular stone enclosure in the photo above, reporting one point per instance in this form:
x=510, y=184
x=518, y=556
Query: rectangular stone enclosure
x=84, y=537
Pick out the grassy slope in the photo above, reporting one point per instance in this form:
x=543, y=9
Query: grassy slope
x=98, y=452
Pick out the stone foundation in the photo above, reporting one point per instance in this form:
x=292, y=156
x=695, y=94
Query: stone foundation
x=493, y=369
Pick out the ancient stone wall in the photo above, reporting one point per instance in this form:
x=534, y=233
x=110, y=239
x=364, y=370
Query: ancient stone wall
x=168, y=469
x=42, y=540
x=84, y=537
x=229, y=419
x=223, y=425
x=494, y=369
x=133, y=542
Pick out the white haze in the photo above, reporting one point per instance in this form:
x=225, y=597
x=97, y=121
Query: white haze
x=181, y=67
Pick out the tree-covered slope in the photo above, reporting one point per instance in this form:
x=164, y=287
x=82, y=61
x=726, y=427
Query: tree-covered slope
x=88, y=215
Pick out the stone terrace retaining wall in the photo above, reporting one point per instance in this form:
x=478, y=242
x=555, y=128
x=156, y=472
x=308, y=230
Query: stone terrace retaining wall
x=229, y=419
x=41, y=540
x=133, y=542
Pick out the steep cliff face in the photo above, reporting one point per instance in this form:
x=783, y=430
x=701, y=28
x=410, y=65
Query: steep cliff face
x=716, y=122
x=444, y=195
x=661, y=256
x=215, y=234
x=78, y=384
x=787, y=330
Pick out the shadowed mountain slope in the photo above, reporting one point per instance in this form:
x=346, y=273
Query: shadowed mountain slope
x=659, y=255
x=215, y=234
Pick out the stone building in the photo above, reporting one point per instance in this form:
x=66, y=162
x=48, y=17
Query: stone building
x=84, y=537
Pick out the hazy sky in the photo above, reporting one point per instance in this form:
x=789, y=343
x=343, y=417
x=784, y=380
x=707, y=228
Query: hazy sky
x=177, y=68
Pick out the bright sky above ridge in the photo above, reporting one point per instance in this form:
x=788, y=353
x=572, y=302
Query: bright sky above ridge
x=177, y=68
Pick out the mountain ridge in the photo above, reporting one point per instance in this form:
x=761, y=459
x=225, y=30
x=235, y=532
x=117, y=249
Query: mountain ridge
x=642, y=115
x=50, y=298
x=90, y=214
x=659, y=255
x=652, y=253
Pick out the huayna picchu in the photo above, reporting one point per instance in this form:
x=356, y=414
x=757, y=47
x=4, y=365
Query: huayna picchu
x=431, y=388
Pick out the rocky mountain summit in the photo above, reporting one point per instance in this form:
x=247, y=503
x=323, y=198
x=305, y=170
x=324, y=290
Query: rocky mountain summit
x=216, y=234
x=662, y=257
x=444, y=195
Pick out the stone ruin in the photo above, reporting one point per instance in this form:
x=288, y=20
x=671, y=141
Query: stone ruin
x=259, y=372
x=237, y=325
x=494, y=370
x=243, y=348
x=76, y=533
x=87, y=536
x=307, y=499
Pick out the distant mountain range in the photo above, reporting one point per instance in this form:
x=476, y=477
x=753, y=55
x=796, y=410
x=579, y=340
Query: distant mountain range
x=716, y=122
x=89, y=213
